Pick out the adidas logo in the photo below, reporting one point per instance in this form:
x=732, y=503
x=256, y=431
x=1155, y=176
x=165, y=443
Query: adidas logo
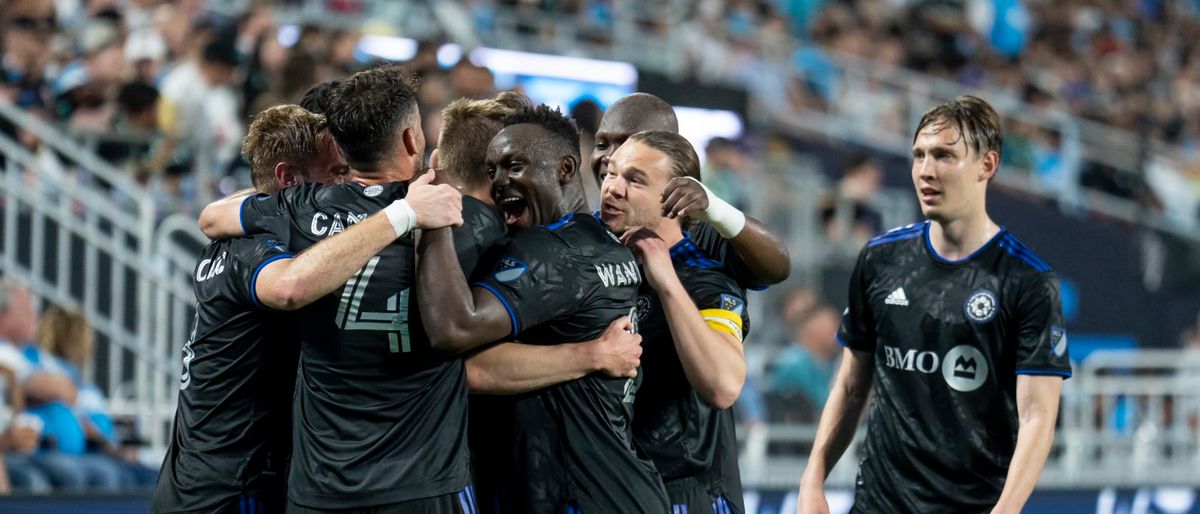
x=897, y=298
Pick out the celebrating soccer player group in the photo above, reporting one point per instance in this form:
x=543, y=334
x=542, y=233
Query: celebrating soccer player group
x=378, y=335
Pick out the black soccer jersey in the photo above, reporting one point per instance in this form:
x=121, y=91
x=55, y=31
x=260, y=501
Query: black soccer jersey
x=949, y=338
x=230, y=440
x=711, y=243
x=683, y=435
x=379, y=416
x=569, y=444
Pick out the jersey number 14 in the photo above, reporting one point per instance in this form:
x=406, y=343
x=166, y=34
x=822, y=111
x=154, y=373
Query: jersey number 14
x=393, y=320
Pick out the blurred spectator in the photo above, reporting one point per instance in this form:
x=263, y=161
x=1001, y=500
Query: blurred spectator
x=728, y=174
x=65, y=343
x=808, y=364
x=24, y=60
x=86, y=86
x=847, y=216
x=137, y=124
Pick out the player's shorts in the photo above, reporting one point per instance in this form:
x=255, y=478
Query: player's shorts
x=690, y=496
x=462, y=502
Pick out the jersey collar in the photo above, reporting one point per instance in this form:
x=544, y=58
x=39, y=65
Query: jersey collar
x=942, y=260
x=685, y=251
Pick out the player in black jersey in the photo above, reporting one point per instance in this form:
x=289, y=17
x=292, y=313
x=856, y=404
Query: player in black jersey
x=379, y=418
x=693, y=318
x=229, y=445
x=758, y=258
x=563, y=277
x=960, y=328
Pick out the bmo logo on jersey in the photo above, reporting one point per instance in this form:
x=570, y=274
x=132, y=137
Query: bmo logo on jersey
x=963, y=367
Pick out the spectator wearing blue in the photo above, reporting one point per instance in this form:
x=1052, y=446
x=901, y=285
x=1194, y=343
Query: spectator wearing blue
x=807, y=366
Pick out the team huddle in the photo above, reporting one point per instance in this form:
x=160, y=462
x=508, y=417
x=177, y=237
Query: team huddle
x=374, y=334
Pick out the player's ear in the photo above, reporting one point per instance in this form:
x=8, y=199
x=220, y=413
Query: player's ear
x=286, y=175
x=433, y=159
x=410, y=142
x=568, y=166
x=991, y=163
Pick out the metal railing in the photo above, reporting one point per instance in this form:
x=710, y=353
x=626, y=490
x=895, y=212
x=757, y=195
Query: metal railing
x=1128, y=418
x=83, y=235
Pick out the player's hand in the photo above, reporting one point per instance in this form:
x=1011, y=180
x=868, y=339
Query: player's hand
x=684, y=196
x=617, y=352
x=436, y=206
x=812, y=500
x=654, y=254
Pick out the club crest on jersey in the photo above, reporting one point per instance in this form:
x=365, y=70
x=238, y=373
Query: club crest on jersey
x=1058, y=341
x=644, y=306
x=509, y=269
x=981, y=306
x=732, y=304
x=372, y=191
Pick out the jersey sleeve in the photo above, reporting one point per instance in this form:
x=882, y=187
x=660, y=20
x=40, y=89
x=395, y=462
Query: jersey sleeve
x=273, y=214
x=254, y=254
x=530, y=278
x=1041, y=335
x=709, y=241
x=857, y=331
x=481, y=230
x=722, y=303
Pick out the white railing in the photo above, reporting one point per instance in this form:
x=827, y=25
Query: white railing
x=1129, y=418
x=82, y=235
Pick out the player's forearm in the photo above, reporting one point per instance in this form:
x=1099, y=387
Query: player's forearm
x=712, y=361
x=447, y=303
x=324, y=267
x=765, y=257
x=839, y=419
x=1037, y=408
x=222, y=219
x=514, y=368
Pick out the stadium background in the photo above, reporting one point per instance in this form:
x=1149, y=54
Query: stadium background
x=801, y=109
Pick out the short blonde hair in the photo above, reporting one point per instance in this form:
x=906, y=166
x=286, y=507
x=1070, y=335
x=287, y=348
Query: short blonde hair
x=67, y=334
x=283, y=133
x=468, y=126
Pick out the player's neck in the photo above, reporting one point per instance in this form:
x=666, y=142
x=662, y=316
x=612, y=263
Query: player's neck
x=669, y=230
x=956, y=239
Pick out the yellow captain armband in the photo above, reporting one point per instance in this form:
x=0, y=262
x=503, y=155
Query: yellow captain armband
x=724, y=321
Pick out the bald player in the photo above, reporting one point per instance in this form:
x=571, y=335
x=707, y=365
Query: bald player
x=758, y=259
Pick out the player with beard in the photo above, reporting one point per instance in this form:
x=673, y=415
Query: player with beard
x=562, y=277
x=230, y=447
x=693, y=318
x=380, y=415
x=959, y=326
x=758, y=258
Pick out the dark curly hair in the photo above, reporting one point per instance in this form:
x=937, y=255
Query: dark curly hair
x=368, y=112
x=551, y=120
x=318, y=98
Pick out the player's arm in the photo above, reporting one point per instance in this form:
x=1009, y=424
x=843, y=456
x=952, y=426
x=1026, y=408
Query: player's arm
x=514, y=368
x=290, y=284
x=711, y=353
x=456, y=316
x=1042, y=364
x=1037, y=410
x=222, y=219
x=763, y=257
x=839, y=421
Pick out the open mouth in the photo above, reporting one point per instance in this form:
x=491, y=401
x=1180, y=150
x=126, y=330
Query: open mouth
x=609, y=210
x=929, y=194
x=515, y=210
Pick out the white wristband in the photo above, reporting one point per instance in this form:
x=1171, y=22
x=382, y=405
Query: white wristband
x=402, y=217
x=725, y=218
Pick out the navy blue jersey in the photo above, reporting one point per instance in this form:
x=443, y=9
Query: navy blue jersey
x=569, y=444
x=230, y=438
x=949, y=338
x=380, y=417
x=683, y=435
x=713, y=244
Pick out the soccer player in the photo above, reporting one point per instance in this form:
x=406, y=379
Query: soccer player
x=230, y=441
x=758, y=259
x=960, y=328
x=379, y=417
x=562, y=277
x=693, y=318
